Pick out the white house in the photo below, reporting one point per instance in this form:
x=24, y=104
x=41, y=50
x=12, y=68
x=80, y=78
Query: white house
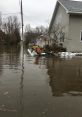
x=66, y=25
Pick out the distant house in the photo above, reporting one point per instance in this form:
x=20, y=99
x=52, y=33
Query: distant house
x=42, y=40
x=66, y=25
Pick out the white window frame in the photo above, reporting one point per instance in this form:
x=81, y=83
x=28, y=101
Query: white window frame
x=80, y=35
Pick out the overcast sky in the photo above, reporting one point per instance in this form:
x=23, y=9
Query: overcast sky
x=36, y=12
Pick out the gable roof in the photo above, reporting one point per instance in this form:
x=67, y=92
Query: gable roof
x=71, y=7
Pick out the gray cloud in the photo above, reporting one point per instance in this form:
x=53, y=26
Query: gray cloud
x=36, y=12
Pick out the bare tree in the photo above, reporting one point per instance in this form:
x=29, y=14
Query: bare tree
x=57, y=33
x=12, y=29
x=28, y=28
x=10, y=24
x=40, y=29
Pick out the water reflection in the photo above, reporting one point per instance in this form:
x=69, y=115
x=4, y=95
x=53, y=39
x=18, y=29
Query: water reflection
x=21, y=85
x=39, y=86
x=37, y=60
x=10, y=70
x=9, y=57
x=65, y=76
x=1, y=66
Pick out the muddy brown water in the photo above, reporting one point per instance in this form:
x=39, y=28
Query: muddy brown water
x=39, y=86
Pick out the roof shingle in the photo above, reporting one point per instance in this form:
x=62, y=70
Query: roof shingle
x=72, y=6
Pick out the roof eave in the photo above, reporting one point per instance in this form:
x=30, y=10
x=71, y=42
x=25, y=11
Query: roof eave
x=63, y=7
x=70, y=12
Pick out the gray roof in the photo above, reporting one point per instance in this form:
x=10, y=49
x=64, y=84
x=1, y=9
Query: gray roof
x=71, y=6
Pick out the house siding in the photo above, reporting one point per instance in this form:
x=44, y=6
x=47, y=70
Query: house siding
x=62, y=19
x=75, y=26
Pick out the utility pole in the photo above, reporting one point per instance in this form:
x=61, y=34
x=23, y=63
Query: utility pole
x=22, y=19
x=21, y=85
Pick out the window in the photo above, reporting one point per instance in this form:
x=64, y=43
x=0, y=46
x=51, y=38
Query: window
x=81, y=36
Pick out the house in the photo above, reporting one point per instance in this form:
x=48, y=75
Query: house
x=66, y=25
x=42, y=40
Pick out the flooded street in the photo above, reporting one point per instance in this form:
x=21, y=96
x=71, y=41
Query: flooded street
x=39, y=86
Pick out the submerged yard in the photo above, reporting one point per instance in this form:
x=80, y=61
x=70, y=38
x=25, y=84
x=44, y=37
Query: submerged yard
x=39, y=86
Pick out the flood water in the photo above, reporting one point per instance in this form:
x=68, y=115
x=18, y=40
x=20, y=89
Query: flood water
x=39, y=86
